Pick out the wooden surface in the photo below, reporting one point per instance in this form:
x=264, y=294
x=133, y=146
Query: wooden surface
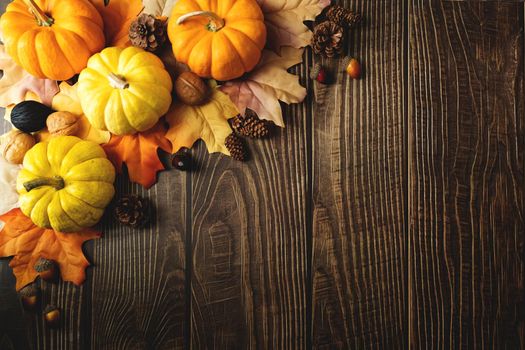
x=388, y=214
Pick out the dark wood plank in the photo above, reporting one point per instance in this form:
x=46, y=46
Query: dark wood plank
x=137, y=290
x=249, y=278
x=359, y=191
x=467, y=146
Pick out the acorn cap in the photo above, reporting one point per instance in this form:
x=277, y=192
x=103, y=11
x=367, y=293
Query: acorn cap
x=50, y=308
x=29, y=290
x=44, y=264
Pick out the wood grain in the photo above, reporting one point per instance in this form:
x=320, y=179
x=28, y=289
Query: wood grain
x=388, y=214
x=359, y=178
x=136, y=297
x=466, y=186
x=249, y=236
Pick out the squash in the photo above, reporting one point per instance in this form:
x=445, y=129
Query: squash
x=30, y=116
x=65, y=184
x=221, y=39
x=124, y=91
x=52, y=38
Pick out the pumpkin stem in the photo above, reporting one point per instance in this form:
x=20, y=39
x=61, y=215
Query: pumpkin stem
x=43, y=19
x=55, y=181
x=215, y=24
x=117, y=81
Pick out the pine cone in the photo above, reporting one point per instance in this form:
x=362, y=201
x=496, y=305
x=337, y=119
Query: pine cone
x=147, y=32
x=235, y=145
x=132, y=211
x=343, y=17
x=327, y=39
x=250, y=125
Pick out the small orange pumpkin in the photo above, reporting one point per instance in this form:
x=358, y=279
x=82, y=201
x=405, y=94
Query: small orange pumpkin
x=222, y=39
x=52, y=38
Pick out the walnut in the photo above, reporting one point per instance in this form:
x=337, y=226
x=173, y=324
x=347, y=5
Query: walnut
x=191, y=89
x=15, y=146
x=62, y=124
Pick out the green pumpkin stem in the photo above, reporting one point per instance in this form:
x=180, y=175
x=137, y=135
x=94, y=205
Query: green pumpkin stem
x=55, y=181
x=43, y=19
x=214, y=25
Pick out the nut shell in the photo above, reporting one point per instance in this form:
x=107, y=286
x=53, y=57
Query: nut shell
x=15, y=146
x=62, y=124
x=191, y=89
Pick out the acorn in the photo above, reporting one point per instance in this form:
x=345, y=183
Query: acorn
x=353, y=67
x=319, y=73
x=47, y=269
x=181, y=160
x=30, y=297
x=52, y=316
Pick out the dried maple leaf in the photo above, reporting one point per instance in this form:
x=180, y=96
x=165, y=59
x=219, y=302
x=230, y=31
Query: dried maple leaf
x=158, y=7
x=284, y=21
x=208, y=122
x=20, y=238
x=67, y=101
x=269, y=82
x=117, y=16
x=139, y=152
x=16, y=83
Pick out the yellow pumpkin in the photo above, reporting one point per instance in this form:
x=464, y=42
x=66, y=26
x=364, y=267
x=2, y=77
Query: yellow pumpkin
x=65, y=184
x=124, y=91
x=52, y=38
x=221, y=39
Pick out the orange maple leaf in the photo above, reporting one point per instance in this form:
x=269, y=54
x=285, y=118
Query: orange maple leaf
x=117, y=16
x=20, y=238
x=139, y=152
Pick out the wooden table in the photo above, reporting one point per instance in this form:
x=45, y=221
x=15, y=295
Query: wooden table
x=389, y=214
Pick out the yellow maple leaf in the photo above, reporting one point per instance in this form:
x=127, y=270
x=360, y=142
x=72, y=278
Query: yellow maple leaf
x=67, y=101
x=208, y=122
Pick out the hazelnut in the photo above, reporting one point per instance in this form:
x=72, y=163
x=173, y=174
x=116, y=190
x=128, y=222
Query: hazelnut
x=191, y=89
x=62, y=124
x=15, y=146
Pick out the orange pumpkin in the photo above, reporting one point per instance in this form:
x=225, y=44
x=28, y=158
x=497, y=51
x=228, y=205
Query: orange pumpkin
x=52, y=38
x=221, y=39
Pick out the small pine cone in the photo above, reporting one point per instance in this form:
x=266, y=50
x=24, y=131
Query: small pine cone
x=132, y=211
x=327, y=39
x=147, y=32
x=235, y=145
x=250, y=125
x=343, y=16
x=237, y=123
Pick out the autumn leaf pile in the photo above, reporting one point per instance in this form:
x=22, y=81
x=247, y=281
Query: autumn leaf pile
x=261, y=90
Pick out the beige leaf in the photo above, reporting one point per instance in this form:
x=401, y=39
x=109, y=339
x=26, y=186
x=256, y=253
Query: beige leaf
x=208, y=122
x=158, y=7
x=284, y=21
x=8, y=175
x=268, y=83
x=16, y=83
